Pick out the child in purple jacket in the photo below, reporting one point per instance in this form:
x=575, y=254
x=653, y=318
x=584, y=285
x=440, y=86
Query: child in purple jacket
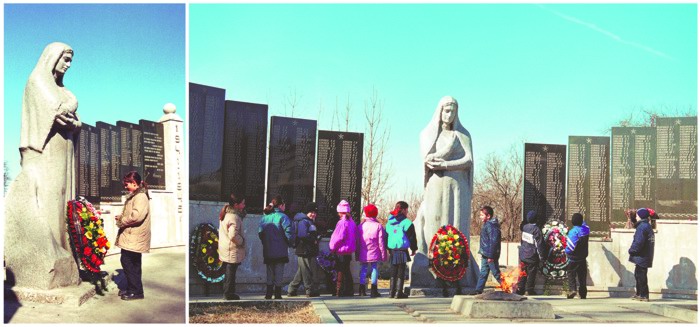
x=370, y=248
x=343, y=244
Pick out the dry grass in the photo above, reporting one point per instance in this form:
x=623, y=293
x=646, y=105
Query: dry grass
x=254, y=313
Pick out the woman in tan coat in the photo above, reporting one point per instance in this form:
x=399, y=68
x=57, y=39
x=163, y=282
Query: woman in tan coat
x=134, y=235
x=231, y=242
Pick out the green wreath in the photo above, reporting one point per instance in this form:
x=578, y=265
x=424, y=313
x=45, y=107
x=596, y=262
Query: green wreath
x=204, y=253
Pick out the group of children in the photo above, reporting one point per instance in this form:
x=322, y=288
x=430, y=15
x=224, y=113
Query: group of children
x=369, y=242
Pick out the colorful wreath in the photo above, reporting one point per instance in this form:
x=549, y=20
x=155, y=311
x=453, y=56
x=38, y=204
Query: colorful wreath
x=87, y=236
x=204, y=253
x=555, y=239
x=449, y=254
x=326, y=260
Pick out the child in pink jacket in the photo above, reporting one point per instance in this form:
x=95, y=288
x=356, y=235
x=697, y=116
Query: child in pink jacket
x=343, y=244
x=370, y=248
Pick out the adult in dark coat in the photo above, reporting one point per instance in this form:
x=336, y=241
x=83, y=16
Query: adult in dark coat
x=642, y=253
x=532, y=251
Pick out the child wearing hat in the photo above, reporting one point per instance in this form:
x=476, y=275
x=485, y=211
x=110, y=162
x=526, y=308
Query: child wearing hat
x=343, y=242
x=642, y=252
x=401, y=237
x=370, y=248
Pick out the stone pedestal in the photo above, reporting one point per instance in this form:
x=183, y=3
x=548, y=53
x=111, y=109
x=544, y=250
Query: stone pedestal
x=472, y=308
x=422, y=278
x=174, y=156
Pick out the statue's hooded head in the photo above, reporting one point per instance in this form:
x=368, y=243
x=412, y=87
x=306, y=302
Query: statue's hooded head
x=430, y=133
x=49, y=61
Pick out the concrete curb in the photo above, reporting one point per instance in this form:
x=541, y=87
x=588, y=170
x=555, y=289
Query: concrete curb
x=676, y=312
x=472, y=308
x=323, y=312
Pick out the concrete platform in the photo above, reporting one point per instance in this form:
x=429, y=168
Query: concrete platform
x=72, y=296
x=164, y=287
x=473, y=308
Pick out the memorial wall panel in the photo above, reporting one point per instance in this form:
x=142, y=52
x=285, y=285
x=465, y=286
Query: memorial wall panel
x=338, y=175
x=153, y=154
x=633, y=171
x=87, y=164
x=676, y=169
x=291, y=161
x=111, y=185
x=244, y=153
x=206, y=135
x=588, y=190
x=544, y=174
x=131, y=151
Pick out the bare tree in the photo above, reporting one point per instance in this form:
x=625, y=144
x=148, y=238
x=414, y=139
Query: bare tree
x=500, y=186
x=292, y=100
x=348, y=107
x=647, y=116
x=376, y=170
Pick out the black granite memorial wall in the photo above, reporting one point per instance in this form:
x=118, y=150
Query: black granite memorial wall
x=206, y=124
x=110, y=157
x=291, y=161
x=588, y=184
x=676, y=168
x=244, y=153
x=87, y=164
x=633, y=171
x=544, y=175
x=153, y=154
x=131, y=158
x=338, y=175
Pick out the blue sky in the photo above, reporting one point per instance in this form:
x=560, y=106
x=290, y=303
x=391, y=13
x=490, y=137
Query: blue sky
x=129, y=60
x=521, y=72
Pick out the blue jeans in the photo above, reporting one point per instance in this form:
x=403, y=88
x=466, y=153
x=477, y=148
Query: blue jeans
x=363, y=272
x=484, y=273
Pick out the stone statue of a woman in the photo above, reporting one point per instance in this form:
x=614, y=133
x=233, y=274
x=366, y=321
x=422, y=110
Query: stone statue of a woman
x=37, y=248
x=446, y=149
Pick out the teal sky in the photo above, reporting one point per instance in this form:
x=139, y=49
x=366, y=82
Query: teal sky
x=521, y=72
x=129, y=61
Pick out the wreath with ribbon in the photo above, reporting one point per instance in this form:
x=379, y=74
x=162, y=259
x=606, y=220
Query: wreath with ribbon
x=326, y=260
x=554, y=266
x=87, y=236
x=204, y=253
x=449, y=254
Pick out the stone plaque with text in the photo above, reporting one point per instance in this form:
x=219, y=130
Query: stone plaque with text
x=206, y=135
x=87, y=164
x=633, y=171
x=110, y=157
x=338, y=175
x=153, y=154
x=131, y=152
x=244, y=153
x=544, y=175
x=588, y=186
x=292, y=159
x=676, y=167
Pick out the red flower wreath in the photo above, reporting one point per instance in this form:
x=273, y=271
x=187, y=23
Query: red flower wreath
x=449, y=254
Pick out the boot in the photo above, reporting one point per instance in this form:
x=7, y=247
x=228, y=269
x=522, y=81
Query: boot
x=339, y=284
x=268, y=292
x=392, y=287
x=400, y=294
x=361, y=291
x=459, y=290
x=278, y=292
x=445, y=293
x=374, y=292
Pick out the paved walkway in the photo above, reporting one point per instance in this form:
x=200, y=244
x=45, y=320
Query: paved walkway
x=164, y=288
x=437, y=310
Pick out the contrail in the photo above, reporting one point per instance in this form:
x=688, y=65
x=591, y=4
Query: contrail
x=607, y=33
